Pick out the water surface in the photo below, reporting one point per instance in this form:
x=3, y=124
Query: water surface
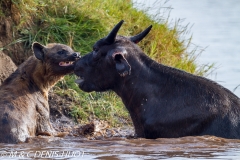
x=203, y=147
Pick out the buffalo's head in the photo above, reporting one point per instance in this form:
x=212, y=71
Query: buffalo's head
x=109, y=62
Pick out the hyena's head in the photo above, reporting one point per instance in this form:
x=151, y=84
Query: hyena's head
x=58, y=58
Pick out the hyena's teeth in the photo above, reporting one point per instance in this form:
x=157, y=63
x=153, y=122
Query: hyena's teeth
x=67, y=63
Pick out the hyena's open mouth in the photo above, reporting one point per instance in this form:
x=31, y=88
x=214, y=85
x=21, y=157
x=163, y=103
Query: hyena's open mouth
x=67, y=63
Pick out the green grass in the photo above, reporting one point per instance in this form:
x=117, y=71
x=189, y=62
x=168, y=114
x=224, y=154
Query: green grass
x=87, y=106
x=80, y=23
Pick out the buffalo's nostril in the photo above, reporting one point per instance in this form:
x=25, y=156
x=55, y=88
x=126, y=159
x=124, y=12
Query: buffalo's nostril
x=76, y=55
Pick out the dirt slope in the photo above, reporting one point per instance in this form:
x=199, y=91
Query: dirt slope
x=6, y=66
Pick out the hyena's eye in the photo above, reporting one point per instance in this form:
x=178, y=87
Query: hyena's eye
x=61, y=52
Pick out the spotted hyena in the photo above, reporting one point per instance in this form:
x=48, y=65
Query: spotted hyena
x=24, y=94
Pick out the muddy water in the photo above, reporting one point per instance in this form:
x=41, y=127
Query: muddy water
x=204, y=147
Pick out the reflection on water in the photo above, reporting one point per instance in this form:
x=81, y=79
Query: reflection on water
x=205, y=147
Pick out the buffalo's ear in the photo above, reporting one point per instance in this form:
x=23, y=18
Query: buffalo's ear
x=38, y=50
x=122, y=65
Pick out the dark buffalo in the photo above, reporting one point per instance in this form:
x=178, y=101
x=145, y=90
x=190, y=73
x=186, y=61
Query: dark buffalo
x=162, y=101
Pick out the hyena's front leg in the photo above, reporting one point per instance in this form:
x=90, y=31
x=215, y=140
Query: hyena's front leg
x=44, y=127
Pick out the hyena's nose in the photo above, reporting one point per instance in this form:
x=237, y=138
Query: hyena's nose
x=76, y=55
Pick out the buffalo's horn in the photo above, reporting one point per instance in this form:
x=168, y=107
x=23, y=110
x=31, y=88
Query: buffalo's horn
x=112, y=35
x=137, y=38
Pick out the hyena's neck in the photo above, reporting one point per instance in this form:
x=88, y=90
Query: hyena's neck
x=46, y=82
x=43, y=78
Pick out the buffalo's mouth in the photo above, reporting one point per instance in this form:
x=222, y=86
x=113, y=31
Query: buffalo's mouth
x=66, y=63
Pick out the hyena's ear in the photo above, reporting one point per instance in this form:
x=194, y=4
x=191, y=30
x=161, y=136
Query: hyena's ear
x=38, y=50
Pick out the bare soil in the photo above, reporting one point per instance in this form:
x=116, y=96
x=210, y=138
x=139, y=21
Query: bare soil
x=95, y=129
x=9, y=35
x=6, y=66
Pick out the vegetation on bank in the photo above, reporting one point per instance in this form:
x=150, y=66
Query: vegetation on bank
x=80, y=23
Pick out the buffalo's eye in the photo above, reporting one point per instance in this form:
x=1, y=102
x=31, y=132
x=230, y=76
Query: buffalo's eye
x=95, y=49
